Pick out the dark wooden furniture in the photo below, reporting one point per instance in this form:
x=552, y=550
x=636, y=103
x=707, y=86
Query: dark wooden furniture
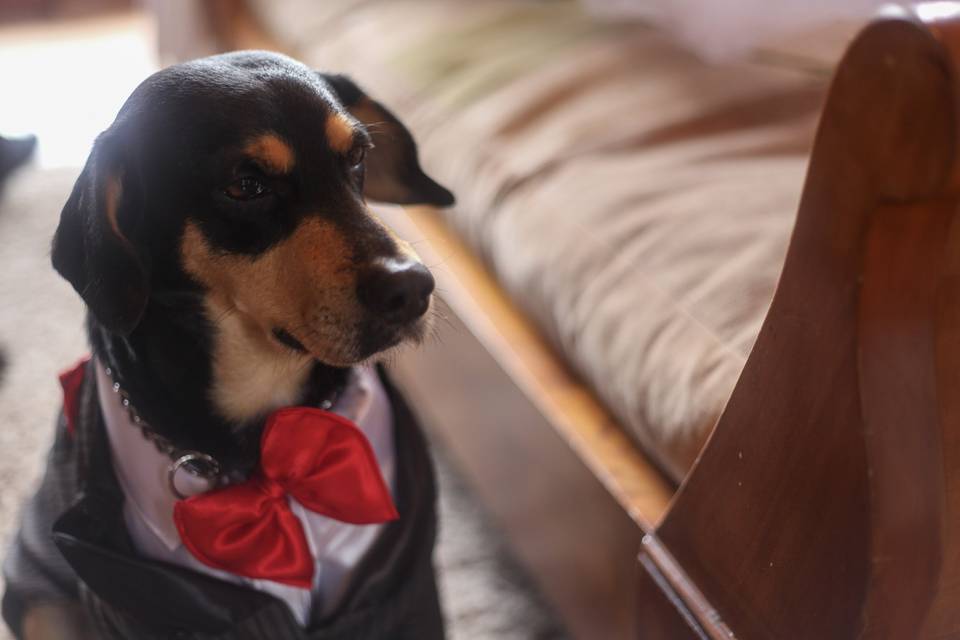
x=827, y=502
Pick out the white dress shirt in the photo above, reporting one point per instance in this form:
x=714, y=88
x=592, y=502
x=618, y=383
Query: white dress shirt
x=337, y=547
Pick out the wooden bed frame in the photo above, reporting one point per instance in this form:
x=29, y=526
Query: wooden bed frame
x=826, y=503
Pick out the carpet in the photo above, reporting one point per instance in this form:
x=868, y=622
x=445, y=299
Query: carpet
x=485, y=594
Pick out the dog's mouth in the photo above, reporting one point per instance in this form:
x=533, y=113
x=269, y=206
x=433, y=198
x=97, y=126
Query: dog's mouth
x=372, y=340
x=286, y=338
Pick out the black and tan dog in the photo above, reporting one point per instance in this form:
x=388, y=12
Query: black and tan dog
x=220, y=238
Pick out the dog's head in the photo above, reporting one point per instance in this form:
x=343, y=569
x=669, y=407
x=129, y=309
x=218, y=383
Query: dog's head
x=244, y=177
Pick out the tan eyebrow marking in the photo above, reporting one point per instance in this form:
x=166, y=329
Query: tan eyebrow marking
x=112, y=192
x=112, y=196
x=340, y=133
x=272, y=152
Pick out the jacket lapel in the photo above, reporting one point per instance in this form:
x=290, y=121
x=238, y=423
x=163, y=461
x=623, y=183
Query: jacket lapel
x=93, y=538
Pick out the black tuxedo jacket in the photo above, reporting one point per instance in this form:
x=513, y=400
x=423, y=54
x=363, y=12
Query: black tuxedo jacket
x=73, y=547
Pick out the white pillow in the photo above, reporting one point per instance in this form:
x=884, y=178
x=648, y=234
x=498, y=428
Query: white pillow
x=725, y=29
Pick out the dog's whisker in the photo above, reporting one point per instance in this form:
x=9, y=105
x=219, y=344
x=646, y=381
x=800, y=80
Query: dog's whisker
x=375, y=127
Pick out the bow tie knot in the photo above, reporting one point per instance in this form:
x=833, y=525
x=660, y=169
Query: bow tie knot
x=272, y=488
x=318, y=458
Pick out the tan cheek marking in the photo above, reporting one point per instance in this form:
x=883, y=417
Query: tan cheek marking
x=321, y=246
x=250, y=375
x=325, y=278
x=340, y=132
x=199, y=261
x=278, y=284
x=247, y=298
x=273, y=152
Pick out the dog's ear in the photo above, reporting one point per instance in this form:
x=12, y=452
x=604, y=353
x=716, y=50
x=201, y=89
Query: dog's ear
x=393, y=169
x=92, y=247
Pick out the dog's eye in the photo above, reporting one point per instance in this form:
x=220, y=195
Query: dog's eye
x=246, y=188
x=356, y=157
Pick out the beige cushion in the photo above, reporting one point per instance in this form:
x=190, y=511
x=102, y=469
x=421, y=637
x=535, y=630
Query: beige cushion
x=636, y=202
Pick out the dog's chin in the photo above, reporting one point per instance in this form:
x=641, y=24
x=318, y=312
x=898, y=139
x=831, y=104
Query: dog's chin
x=369, y=344
x=375, y=343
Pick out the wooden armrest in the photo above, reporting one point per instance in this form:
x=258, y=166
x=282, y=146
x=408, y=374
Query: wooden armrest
x=827, y=501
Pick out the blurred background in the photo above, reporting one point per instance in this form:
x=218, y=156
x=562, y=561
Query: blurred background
x=67, y=66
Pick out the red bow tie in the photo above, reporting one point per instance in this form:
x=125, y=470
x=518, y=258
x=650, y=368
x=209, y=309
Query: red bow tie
x=320, y=459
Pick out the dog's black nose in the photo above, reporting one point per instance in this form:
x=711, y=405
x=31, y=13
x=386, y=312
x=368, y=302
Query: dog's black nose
x=398, y=291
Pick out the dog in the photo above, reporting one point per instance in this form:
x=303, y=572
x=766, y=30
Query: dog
x=239, y=293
